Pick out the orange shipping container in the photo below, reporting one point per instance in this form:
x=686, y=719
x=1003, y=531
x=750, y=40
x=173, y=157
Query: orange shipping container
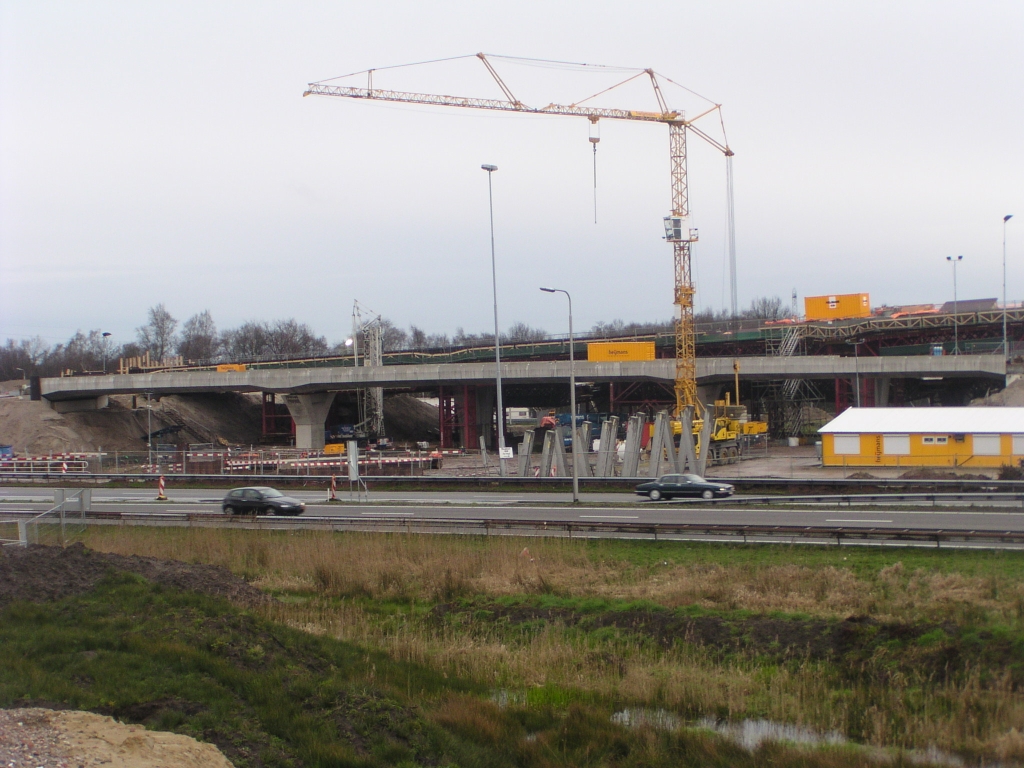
x=837, y=306
x=231, y=368
x=614, y=351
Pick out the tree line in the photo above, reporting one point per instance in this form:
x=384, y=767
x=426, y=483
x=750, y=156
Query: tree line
x=198, y=340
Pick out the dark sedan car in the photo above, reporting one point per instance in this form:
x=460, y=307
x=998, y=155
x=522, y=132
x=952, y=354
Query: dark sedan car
x=667, y=486
x=260, y=501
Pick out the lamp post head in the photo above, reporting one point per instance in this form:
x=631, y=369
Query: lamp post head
x=548, y=290
x=1007, y=217
x=106, y=334
x=489, y=168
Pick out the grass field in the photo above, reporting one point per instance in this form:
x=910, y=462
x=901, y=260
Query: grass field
x=517, y=652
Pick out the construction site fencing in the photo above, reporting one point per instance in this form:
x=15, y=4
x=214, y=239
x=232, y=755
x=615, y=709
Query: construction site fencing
x=251, y=461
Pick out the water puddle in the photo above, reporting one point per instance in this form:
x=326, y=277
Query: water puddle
x=752, y=733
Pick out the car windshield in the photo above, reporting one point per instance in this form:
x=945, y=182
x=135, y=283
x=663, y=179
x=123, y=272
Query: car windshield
x=269, y=493
x=693, y=478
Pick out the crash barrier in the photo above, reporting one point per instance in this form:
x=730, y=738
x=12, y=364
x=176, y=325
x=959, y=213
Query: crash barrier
x=56, y=525
x=739, y=533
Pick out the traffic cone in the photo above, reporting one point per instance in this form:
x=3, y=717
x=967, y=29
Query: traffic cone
x=160, y=485
x=333, y=495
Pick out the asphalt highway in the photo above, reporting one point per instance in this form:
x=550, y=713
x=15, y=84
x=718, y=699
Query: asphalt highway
x=552, y=507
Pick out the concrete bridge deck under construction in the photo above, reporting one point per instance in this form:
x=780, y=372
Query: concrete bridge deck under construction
x=309, y=391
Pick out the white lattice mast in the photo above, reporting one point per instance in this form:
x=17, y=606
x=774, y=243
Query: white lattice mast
x=369, y=332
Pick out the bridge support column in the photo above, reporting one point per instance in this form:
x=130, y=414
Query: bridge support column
x=882, y=391
x=310, y=415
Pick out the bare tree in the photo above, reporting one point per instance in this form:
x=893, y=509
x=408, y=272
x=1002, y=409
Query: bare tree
x=249, y=340
x=417, y=338
x=522, y=333
x=290, y=338
x=157, y=336
x=199, y=339
x=392, y=337
x=765, y=308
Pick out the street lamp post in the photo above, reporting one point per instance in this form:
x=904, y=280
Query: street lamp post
x=856, y=366
x=1006, y=344
x=956, y=323
x=149, y=428
x=106, y=335
x=497, y=343
x=572, y=398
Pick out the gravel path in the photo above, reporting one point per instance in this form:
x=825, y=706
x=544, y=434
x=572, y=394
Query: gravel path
x=44, y=738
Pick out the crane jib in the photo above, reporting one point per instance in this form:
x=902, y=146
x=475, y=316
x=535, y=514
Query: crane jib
x=317, y=89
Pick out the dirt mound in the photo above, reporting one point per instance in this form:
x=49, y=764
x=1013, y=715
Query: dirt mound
x=408, y=418
x=33, y=428
x=38, y=574
x=938, y=474
x=1012, y=396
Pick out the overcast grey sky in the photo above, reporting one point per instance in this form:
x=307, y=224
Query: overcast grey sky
x=162, y=152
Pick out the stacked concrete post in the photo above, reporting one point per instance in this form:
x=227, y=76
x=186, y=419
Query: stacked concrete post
x=583, y=450
x=606, y=453
x=525, y=451
x=634, y=441
x=664, y=458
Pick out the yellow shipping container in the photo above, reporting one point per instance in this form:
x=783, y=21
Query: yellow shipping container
x=837, y=306
x=334, y=449
x=231, y=368
x=614, y=351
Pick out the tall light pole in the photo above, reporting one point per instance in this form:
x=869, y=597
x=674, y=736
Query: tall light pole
x=497, y=343
x=106, y=335
x=572, y=398
x=1006, y=344
x=956, y=324
x=856, y=365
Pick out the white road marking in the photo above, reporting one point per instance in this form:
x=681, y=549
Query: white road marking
x=388, y=514
x=858, y=521
x=611, y=517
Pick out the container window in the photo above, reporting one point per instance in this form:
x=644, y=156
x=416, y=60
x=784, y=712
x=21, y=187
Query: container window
x=896, y=445
x=987, y=445
x=1018, y=445
x=935, y=439
x=846, y=445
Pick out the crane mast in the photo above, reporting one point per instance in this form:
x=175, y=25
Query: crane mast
x=677, y=226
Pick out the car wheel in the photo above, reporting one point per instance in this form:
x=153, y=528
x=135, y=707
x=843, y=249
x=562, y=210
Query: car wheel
x=229, y=510
x=267, y=511
x=708, y=495
x=654, y=495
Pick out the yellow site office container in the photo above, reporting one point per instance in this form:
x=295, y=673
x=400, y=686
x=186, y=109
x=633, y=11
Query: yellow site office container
x=615, y=351
x=924, y=437
x=231, y=368
x=837, y=306
x=334, y=449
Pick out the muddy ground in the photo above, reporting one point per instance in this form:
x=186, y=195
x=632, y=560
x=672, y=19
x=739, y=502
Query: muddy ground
x=40, y=574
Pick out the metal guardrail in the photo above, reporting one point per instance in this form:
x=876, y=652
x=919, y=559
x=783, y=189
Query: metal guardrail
x=28, y=529
x=744, y=533
x=894, y=485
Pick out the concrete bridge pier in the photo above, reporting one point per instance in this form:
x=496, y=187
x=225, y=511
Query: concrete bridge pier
x=310, y=415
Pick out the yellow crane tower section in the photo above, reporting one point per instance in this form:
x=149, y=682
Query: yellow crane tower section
x=677, y=225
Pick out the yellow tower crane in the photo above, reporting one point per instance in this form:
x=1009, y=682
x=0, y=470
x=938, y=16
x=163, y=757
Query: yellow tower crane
x=677, y=225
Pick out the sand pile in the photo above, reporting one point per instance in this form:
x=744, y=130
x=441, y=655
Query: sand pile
x=1012, y=396
x=33, y=428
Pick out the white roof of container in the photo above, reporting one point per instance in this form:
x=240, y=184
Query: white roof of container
x=940, y=421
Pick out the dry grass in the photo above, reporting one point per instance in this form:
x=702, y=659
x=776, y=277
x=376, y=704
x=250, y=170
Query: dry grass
x=353, y=587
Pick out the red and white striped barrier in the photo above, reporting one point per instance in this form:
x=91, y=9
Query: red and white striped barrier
x=161, y=484
x=333, y=495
